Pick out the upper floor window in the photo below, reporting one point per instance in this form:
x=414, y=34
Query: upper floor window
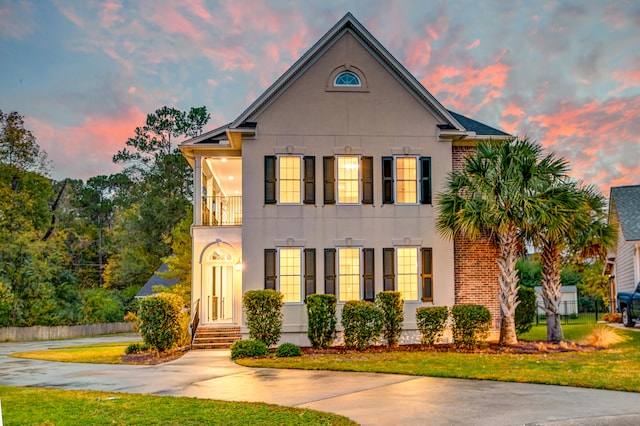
x=348, y=79
x=349, y=180
x=404, y=179
x=289, y=179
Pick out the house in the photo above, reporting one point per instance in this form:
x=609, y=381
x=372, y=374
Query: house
x=624, y=214
x=326, y=184
x=156, y=280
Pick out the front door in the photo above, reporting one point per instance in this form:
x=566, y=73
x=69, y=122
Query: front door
x=220, y=300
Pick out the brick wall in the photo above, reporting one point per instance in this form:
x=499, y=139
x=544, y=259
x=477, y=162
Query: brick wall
x=476, y=270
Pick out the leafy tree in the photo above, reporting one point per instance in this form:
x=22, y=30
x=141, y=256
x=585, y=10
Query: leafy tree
x=18, y=146
x=179, y=262
x=498, y=193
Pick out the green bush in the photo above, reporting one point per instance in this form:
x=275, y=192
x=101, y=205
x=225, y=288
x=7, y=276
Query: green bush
x=288, y=350
x=391, y=304
x=431, y=322
x=160, y=321
x=100, y=305
x=470, y=324
x=248, y=349
x=264, y=315
x=321, y=316
x=526, y=310
x=362, y=323
x=136, y=348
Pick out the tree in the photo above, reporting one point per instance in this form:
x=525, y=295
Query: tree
x=179, y=262
x=18, y=146
x=573, y=218
x=497, y=193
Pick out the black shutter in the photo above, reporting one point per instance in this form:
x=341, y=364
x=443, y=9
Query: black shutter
x=309, y=272
x=329, y=180
x=427, y=275
x=270, y=269
x=367, y=180
x=309, y=180
x=269, y=179
x=388, y=269
x=425, y=180
x=387, y=180
x=368, y=276
x=329, y=271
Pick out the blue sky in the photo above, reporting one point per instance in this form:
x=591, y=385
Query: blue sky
x=86, y=73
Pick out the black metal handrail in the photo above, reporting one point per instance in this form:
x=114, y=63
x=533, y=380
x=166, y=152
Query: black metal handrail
x=196, y=320
x=219, y=210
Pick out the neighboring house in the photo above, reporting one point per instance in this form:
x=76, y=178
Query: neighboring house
x=156, y=280
x=624, y=214
x=326, y=184
x=568, y=300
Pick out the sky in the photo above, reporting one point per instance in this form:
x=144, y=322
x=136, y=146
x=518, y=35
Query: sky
x=85, y=73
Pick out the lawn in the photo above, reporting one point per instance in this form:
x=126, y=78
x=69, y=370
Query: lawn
x=98, y=353
x=63, y=407
x=615, y=368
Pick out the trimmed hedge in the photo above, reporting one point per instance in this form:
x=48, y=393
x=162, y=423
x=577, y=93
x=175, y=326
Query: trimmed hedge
x=161, y=320
x=136, y=348
x=264, y=315
x=470, y=324
x=288, y=350
x=431, y=322
x=362, y=323
x=321, y=315
x=391, y=304
x=248, y=349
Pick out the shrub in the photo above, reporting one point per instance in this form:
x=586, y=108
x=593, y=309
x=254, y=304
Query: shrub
x=136, y=348
x=470, y=324
x=362, y=322
x=613, y=317
x=391, y=305
x=288, y=350
x=526, y=310
x=134, y=319
x=321, y=315
x=431, y=322
x=160, y=321
x=264, y=315
x=248, y=349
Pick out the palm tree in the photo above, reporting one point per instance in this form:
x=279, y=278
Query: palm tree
x=576, y=221
x=498, y=193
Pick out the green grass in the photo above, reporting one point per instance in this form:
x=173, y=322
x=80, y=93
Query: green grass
x=572, y=332
x=22, y=406
x=98, y=353
x=614, y=368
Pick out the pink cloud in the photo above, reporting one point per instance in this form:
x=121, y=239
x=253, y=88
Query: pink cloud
x=109, y=14
x=69, y=13
x=97, y=138
x=16, y=19
x=473, y=44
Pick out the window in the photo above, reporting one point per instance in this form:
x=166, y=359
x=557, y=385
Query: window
x=400, y=271
x=348, y=274
x=290, y=268
x=348, y=79
x=289, y=262
x=289, y=179
x=351, y=178
x=354, y=276
x=406, y=178
x=289, y=171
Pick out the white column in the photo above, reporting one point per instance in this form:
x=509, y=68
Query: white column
x=197, y=191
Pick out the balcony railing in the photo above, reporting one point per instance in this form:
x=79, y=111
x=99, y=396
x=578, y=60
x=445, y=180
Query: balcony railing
x=219, y=210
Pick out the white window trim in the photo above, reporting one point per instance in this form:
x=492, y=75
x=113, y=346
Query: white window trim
x=278, y=281
x=279, y=180
x=418, y=274
x=360, y=272
x=337, y=180
x=396, y=180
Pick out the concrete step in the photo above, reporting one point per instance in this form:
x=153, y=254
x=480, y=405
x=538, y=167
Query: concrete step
x=208, y=337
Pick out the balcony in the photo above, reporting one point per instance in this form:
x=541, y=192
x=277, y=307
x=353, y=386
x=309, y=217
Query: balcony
x=221, y=211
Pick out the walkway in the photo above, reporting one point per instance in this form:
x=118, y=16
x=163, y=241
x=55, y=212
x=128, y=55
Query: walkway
x=370, y=399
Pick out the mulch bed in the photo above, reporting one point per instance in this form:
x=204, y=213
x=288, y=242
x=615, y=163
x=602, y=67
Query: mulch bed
x=153, y=358
x=523, y=347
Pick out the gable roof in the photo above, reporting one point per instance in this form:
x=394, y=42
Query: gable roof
x=625, y=202
x=156, y=280
x=349, y=24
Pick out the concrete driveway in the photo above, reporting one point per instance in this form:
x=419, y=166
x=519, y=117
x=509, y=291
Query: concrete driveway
x=370, y=399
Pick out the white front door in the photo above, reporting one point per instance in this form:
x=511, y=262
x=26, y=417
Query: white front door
x=220, y=298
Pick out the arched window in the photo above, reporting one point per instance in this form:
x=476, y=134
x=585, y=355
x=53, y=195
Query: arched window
x=347, y=79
